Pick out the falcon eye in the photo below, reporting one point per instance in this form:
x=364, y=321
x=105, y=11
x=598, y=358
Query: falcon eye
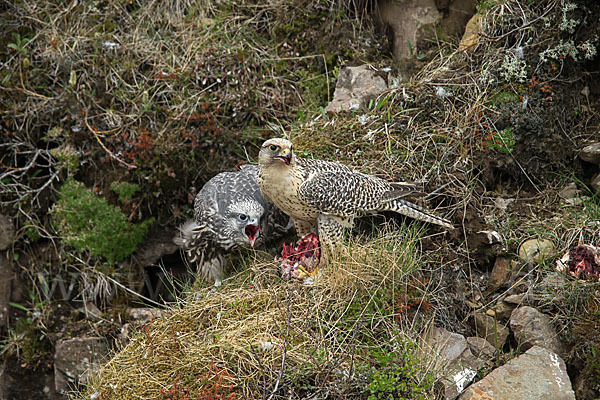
x=243, y=217
x=273, y=147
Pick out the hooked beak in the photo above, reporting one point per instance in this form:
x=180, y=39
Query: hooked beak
x=285, y=156
x=252, y=231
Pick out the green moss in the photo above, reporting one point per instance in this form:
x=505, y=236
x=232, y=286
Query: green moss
x=124, y=190
x=504, y=97
x=396, y=375
x=89, y=223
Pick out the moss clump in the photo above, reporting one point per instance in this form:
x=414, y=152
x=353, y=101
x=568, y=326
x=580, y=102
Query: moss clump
x=124, y=190
x=87, y=222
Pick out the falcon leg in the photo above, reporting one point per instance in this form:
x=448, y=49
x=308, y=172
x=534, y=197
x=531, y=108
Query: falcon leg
x=303, y=228
x=331, y=236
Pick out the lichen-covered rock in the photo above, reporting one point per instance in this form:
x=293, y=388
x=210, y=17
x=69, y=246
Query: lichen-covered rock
x=74, y=359
x=355, y=87
x=537, y=374
x=591, y=153
x=533, y=328
x=536, y=250
x=455, y=357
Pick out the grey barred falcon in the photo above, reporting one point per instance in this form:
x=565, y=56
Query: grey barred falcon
x=324, y=197
x=229, y=212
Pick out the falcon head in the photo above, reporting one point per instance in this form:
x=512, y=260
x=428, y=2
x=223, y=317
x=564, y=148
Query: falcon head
x=242, y=222
x=276, y=151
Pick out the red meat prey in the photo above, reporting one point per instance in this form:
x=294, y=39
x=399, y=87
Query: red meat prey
x=301, y=260
x=583, y=262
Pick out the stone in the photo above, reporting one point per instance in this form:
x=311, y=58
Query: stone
x=533, y=328
x=570, y=191
x=458, y=365
x=470, y=38
x=591, y=153
x=503, y=310
x=595, y=183
x=143, y=315
x=355, y=87
x=417, y=22
x=537, y=374
x=536, y=251
x=75, y=359
x=516, y=299
x=500, y=273
x=7, y=232
x=481, y=348
x=6, y=278
x=490, y=329
x=409, y=21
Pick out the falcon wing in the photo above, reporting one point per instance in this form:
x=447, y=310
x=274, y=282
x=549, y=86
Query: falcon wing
x=343, y=193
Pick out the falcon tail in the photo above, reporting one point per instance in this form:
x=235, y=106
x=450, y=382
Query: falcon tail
x=417, y=212
x=402, y=189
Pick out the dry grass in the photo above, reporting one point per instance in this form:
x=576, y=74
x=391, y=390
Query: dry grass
x=273, y=337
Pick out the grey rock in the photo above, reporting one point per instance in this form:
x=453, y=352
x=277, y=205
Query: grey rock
x=74, y=359
x=490, y=329
x=533, y=328
x=537, y=374
x=458, y=364
x=591, y=153
x=355, y=87
x=481, y=348
x=570, y=191
x=143, y=315
x=503, y=309
x=412, y=21
x=7, y=232
x=536, y=250
x=516, y=299
x=595, y=183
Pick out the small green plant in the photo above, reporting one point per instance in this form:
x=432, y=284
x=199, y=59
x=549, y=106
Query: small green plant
x=397, y=375
x=124, y=190
x=89, y=223
x=19, y=44
x=67, y=156
x=501, y=141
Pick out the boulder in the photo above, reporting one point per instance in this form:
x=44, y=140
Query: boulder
x=415, y=22
x=355, y=87
x=7, y=232
x=490, y=329
x=74, y=359
x=537, y=374
x=591, y=153
x=533, y=328
x=459, y=365
x=536, y=250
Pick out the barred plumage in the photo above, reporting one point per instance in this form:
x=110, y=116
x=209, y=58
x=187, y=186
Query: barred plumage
x=324, y=197
x=229, y=212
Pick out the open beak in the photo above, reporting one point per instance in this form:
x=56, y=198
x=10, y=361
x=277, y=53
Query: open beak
x=285, y=156
x=252, y=231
